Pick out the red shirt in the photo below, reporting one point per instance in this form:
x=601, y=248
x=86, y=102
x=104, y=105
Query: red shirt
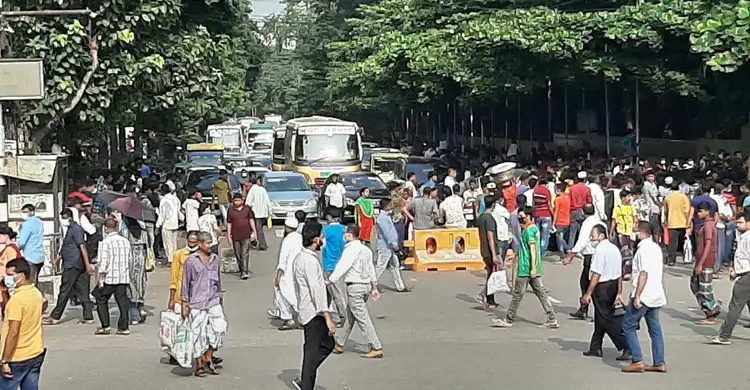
x=580, y=194
x=542, y=199
x=510, y=194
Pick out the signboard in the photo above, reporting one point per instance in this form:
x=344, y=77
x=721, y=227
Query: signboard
x=21, y=79
x=44, y=204
x=315, y=130
x=219, y=132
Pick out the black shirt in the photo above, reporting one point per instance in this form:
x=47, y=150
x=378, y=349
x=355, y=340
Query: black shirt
x=486, y=223
x=71, y=247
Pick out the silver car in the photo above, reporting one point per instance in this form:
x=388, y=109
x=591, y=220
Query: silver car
x=290, y=192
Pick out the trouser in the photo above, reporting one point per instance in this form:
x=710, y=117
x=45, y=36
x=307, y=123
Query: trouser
x=721, y=251
x=335, y=212
x=102, y=295
x=605, y=322
x=25, y=374
x=576, y=220
x=583, y=280
x=731, y=232
x=260, y=227
x=633, y=317
x=489, y=266
x=388, y=259
x=676, y=239
x=655, y=220
x=286, y=311
x=242, y=254
x=740, y=299
x=358, y=294
x=562, y=245
x=545, y=225
x=702, y=287
x=74, y=282
x=318, y=345
x=537, y=286
x=224, y=209
x=36, y=270
x=336, y=296
x=169, y=238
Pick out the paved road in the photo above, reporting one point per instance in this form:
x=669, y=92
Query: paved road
x=434, y=338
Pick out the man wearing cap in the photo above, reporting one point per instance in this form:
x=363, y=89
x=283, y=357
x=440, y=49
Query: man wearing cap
x=285, y=297
x=580, y=195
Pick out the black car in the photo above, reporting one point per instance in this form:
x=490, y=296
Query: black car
x=354, y=182
x=204, y=178
x=422, y=166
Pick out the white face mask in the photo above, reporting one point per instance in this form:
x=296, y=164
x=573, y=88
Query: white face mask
x=25, y=216
x=65, y=222
x=594, y=243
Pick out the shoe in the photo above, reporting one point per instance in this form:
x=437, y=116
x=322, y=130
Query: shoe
x=501, y=323
x=718, y=340
x=550, y=325
x=297, y=383
x=338, y=350
x=633, y=367
x=482, y=300
x=289, y=325
x=244, y=276
x=579, y=315
x=406, y=289
x=747, y=326
x=625, y=356
x=173, y=361
x=590, y=353
x=662, y=368
x=273, y=314
x=374, y=354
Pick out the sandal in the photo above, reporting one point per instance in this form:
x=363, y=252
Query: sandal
x=124, y=332
x=86, y=321
x=200, y=372
x=103, y=331
x=210, y=367
x=706, y=321
x=217, y=360
x=50, y=321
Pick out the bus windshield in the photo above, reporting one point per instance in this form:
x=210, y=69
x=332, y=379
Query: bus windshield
x=206, y=158
x=326, y=148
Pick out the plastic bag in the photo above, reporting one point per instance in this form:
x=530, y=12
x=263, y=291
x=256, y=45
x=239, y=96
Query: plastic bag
x=175, y=338
x=687, y=250
x=497, y=282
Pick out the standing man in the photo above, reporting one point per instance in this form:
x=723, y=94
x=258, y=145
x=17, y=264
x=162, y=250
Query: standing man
x=334, y=247
x=358, y=273
x=387, y=247
x=561, y=219
x=701, y=282
x=284, y=296
x=191, y=207
x=169, y=220
x=605, y=290
x=259, y=201
x=488, y=247
x=597, y=196
x=312, y=301
x=529, y=273
x=23, y=344
x=335, y=197
x=425, y=209
x=201, y=294
x=450, y=179
x=580, y=195
x=31, y=240
x=222, y=192
x=541, y=198
x=411, y=182
x=584, y=248
x=646, y=299
x=76, y=271
x=651, y=196
x=240, y=231
x=452, y=208
x=114, y=278
x=677, y=214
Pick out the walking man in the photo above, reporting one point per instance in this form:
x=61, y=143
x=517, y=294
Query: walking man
x=76, y=271
x=677, y=212
x=358, y=273
x=529, y=273
x=259, y=201
x=388, y=245
x=646, y=299
x=31, y=240
x=605, y=291
x=583, y=246
x=169, y=220
x=114, y=278
x=701, y=282
x=334, y=247
x=241, y=228
x=284, y=297
x=312, y=302
x=222, y=193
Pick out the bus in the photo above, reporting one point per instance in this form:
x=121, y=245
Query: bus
x=317, y=146
x=205, y=154
x=228, y=134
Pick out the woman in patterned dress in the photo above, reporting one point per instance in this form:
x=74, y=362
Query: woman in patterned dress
x=136, y=234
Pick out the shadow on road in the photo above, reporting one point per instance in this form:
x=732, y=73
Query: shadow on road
x=583, y=346
x=286, y=376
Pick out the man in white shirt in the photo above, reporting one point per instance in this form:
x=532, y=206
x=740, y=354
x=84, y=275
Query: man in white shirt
x=169, y=220
x=411, y=183
x=722, y=216
x=450, y=179
x=452, y=208
x=312, y=303
x=357, y=270
x=474, y=192
x=335, y=197
x=259, y=201
x=114, y=278
x=191, y=206
x=584, y=247
x=284, y=294
x=512, y=149
x=739, y=271
x=647, y=298
x=597, y=196
x=605, y=289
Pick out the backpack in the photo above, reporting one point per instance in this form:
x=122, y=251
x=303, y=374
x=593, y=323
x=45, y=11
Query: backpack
x=609, y=204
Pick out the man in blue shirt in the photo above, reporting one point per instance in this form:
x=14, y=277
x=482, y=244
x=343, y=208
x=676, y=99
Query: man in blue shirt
x=145, y=170
x=388, y=245
x=431, y=183
x=31, y=240
x=332, y=249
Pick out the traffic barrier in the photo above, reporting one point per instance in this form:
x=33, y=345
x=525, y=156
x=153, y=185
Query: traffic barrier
x=445, y=250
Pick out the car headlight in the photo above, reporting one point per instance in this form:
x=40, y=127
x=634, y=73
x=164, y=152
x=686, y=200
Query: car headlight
x=350, y=202
x=311, y=202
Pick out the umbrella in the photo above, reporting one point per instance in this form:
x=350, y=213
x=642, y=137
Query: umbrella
x=131, y=207
x=107, y=197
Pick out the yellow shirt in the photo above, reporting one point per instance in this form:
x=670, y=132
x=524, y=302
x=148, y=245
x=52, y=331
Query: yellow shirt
x=678, y=206
x=222, y=188
x=25, y=306
x=624, y=217
x=178, y=262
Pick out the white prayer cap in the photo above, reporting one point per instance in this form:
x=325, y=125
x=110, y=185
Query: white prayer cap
x=491, y=186
x=663, y=161
x=291, y=222
x=668, y=180
x=582, y=175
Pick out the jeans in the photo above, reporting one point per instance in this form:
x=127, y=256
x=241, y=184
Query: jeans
x=562, y=245
x=545, y=225
x=25, y=374
x=576, y=219
x=224, y=209
x=632, y=318
x=722, y=250
x=740, y=299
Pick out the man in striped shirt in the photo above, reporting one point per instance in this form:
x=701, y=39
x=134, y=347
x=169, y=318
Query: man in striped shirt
x=114, y=278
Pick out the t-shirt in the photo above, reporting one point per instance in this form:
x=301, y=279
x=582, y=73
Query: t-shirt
x=334, y=247
x=542, y=199
x=530, y=235
x=580, y=195
x=623, y=215
x=240, y=220
x=206, y=224
x=708, y=235
x=562, y=210
x=70, y=252
x=677, y=205
x=425, y=209
x=222, y=188
x=25, y=306
x=486, y=223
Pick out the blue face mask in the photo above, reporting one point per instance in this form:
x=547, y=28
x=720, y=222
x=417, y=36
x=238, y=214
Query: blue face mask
x=10, y=282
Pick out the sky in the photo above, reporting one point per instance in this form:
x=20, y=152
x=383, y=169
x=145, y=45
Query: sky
x=263, y=8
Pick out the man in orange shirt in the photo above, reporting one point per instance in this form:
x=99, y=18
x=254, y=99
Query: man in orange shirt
x=677, y=212
x=561, y=219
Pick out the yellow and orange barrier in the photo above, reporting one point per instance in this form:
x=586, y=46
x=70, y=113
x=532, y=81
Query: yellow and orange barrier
x=445, y=250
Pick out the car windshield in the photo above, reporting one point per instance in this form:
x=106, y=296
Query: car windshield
x=205, y=158
x=261, y=147
x=231, y=139
x=204, y=180
x=326, y=147
x=286, y=183
x=363, y=181
x=422, y=170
